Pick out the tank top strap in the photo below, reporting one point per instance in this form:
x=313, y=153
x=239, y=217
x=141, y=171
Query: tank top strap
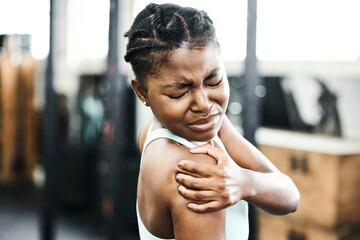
x=165, y=133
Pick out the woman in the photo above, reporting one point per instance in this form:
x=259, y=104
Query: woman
x=179, y=74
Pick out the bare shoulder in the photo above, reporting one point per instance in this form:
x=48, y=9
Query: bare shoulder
x=160, y=163
x=158, y=171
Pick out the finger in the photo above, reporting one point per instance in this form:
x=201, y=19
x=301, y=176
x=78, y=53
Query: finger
x=195, y=195
x=205, y=207
x=205, y=170
x=193, y=182
x=216, y=153
x=200, y=149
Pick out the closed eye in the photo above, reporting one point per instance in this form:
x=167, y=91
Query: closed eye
x=215, y=84
x=176, y=97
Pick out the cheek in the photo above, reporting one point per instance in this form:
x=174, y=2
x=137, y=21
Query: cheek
x=227, y=94
x=224, y=96
x=169, y=111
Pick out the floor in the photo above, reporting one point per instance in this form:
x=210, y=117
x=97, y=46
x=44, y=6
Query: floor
x=19, y=217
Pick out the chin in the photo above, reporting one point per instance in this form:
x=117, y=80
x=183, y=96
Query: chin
x=204, y=136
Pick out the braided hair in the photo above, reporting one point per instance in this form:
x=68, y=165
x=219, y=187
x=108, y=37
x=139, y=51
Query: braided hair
x=159, y=29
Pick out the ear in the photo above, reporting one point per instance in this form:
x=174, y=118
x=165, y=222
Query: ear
x=139, y=90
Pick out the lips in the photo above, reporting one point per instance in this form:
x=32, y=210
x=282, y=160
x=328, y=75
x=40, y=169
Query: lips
x=205, y=124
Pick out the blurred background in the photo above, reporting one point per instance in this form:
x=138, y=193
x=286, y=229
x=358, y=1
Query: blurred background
x=69, y=121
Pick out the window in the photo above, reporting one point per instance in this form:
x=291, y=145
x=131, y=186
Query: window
x=321, y=30
x=27, y=17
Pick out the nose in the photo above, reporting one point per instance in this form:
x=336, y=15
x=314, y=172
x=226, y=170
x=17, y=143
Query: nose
x=201, y=101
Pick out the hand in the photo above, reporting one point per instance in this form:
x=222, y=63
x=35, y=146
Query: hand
x=218, y=187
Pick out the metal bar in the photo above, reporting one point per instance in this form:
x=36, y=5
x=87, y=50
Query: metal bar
x=251, y=101
x=251, y=106
x=49, y=140
x=113, y=181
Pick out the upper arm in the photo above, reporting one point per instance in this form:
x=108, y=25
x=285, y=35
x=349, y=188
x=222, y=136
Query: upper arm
x=192, y=226
x=188, y=225
x=243, y=152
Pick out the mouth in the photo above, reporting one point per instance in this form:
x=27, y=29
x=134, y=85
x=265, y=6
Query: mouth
x=205, y=124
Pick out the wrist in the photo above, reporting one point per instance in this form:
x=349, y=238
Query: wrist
x=248, y=189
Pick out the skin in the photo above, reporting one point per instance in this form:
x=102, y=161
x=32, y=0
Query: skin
x=188, y=96
x=246, y=173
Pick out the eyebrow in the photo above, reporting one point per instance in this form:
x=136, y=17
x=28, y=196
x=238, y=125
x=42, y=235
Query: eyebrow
x=178, y=85
x=212, y=73
x=181, y=85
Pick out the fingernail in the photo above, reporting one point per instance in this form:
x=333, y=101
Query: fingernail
x=178, y=178
x=180, y=188
x=180, y=164
x=190, y=206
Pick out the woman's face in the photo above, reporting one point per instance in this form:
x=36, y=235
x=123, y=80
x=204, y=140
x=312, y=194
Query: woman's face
x=190, y=93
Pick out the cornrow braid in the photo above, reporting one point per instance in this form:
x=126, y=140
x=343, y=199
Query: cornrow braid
x=159, y=29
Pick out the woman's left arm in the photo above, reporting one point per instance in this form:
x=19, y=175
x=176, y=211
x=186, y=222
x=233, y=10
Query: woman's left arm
x=242, y=172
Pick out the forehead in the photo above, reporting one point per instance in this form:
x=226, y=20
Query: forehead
x=189, y=64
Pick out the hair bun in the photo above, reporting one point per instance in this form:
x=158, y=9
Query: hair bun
x=158, y=17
